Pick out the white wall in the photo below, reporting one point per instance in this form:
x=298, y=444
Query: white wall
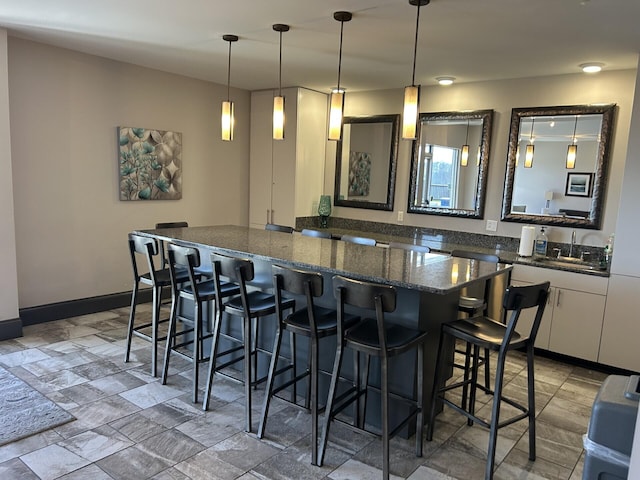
x=8, y=269
x=501, y=96
x=65, y=106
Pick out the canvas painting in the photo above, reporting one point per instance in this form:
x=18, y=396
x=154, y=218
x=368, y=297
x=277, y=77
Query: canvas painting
x=359, y=174
x=150, y=164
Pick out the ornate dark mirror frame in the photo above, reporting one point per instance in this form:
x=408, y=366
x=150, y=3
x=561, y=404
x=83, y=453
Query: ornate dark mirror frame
x=394, y=121
x=600, y=175
x=456, y=118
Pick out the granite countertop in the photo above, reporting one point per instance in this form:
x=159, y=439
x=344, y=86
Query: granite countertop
x=438, y=244
x=429, y=272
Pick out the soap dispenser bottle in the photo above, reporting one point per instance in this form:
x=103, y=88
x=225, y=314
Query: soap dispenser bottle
x=540, y=248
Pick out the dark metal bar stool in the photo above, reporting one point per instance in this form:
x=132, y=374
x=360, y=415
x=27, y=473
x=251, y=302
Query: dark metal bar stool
x=359, y=240
x=248, y=305
x=483, y=332
x=278, y=228
x=200, y=293
x=373, y=337
x=157, y=279
x=310, y=321
x=307, y=232
x=472, y=306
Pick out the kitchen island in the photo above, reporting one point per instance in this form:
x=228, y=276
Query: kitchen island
x=428, y=284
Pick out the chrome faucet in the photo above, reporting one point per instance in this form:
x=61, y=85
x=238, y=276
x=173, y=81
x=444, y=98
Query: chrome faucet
x=573, y=243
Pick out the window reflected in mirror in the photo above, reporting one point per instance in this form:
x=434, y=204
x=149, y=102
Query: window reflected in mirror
x=450, y=163
x=557, y=165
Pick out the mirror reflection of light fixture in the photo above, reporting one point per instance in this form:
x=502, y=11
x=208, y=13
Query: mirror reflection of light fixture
x=478, y=155
x=454, y=273
x=337, y=95
x=412, y=92
x=464, y=155
x=528, y=153
x=572, y=149
x=278, y=100
x=228, y=119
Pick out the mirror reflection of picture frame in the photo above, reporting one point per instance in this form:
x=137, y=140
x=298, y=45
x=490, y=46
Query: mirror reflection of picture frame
x=578, y=184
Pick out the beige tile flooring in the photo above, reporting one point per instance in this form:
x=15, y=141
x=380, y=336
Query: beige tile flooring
x=129, y=426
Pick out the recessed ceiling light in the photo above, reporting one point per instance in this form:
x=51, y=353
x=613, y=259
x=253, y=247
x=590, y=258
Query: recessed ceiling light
x=592, y=67
x=445, y=80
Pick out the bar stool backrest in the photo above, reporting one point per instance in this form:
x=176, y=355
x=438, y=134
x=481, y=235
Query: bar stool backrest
x=237, y=270
x=297, y=282
x=371, y=296
x=307, y=232
x=359, y=240
x=520, y=298
x=161, y=225
x=187, y=258
x=278, y=228
x=147, y=246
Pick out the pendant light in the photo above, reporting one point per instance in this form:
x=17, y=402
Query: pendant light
x=572, y=149
x=278, y=100
x=412, y=92
x=227, y=106
x=528, y=153
x=337, y=95
x=464, y=157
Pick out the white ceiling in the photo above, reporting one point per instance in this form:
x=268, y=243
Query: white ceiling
x=472, y=40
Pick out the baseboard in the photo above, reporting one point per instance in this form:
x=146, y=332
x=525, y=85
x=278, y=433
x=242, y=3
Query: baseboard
x=82, y=306
x=587, y=364
x=11, y=328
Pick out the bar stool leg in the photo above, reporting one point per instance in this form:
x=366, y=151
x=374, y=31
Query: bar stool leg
x=531, y=393
x=197, y=337
x=247, y=371
x=217, y=326
x=157, y=295
x=171, y=332
x=384, y=390
x=337, y=363
x=313, y=397
x=436, y=386
x=132, y=315
x=273, y=365
x=495, y=417
x=420, y=400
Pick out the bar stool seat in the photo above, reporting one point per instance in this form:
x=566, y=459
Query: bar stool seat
x=311, y=321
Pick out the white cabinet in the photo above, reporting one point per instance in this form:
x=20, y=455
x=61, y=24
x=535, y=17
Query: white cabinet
x=574, y=313
x=621, y=329
x=286, y=176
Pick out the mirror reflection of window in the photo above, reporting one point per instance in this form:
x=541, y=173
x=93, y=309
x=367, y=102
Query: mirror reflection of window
x=441, y=183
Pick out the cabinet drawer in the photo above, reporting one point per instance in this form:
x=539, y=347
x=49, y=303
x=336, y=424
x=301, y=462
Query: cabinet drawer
x=561, y=279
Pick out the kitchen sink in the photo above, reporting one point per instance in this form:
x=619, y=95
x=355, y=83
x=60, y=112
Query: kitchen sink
x=566, y=262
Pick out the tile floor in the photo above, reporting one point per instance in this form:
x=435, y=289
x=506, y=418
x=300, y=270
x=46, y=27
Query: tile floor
x=129, y=426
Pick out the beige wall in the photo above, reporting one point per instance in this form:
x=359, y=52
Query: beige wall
x=71, y=228
x=8, y=269
x=501, y=96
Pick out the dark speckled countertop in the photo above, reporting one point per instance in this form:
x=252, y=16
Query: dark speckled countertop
x=429, y=272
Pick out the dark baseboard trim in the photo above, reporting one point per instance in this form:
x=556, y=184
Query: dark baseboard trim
x=11, y=328
x=589, y=365
x=82, y=306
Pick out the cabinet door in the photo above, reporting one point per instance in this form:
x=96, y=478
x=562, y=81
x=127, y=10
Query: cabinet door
x=577, y=323
x=260, y=159
x=621, y=328
x=526, y=319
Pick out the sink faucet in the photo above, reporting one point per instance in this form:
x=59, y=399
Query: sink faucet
x=573, y=243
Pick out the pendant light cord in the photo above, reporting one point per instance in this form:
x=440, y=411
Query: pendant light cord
x=229, y=75
x=340, y=55
x=280, y=69
x=466, y=138
x=415, y=47
x=573, y=139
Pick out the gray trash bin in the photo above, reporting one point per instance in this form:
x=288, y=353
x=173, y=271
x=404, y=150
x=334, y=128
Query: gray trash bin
x=609, y=438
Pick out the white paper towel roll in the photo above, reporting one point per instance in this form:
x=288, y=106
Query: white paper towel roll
x=527, y=238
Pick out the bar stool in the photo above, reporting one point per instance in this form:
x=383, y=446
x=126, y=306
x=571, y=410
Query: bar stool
x=373, y=337
x=310, y=321
x=315, y=233
x=200, y=293
x=157, y=279
x=410, y=246
x=472, y=306
x=278, y=228
x=359, y=240
x=247, y=305
x=483, y=332
x=163, y=250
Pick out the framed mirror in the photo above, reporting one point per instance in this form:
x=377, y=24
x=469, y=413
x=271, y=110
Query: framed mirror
x=557, y=165
x=449, y=164
x=366, y=162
